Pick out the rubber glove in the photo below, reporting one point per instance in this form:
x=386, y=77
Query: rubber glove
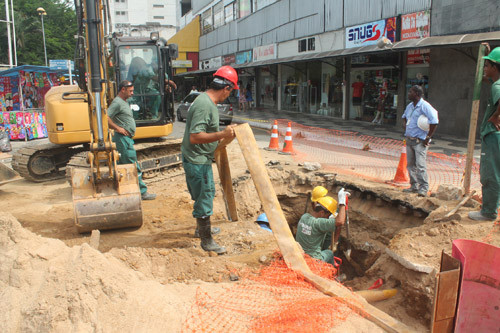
x=343, y=194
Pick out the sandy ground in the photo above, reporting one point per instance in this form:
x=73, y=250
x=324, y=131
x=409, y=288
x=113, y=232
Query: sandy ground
x=163, y=259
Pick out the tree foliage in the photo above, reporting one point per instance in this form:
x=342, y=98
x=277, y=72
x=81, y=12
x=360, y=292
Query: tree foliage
x=60, y=28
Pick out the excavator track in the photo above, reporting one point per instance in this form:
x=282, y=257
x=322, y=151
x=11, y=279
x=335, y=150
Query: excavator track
x=152, y=157
x=43, y=163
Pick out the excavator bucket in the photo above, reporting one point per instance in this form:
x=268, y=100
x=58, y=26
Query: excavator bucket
x=7, y=175
x=106, y=206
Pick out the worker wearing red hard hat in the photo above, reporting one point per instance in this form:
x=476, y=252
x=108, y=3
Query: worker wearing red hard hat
x=201, y=137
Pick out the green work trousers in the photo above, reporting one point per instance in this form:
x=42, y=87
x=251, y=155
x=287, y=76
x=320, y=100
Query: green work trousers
x=201, y=186
x=490, y=174
x=125, y=146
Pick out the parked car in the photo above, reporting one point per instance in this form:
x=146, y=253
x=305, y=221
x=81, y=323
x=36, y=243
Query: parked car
x=225, y=108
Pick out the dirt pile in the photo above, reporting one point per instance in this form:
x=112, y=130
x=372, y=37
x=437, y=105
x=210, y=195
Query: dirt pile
x=48, y=286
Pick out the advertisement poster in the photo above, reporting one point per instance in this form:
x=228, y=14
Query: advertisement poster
x=266, y=52
x=415, y=25
x=229, y=59
x=243, y=57
x=370, y=33
x=418, y=57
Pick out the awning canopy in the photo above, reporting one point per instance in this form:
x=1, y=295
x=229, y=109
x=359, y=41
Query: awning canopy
x=30, y=68
x=409, y=44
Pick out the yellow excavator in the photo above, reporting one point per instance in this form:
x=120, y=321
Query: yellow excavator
x=105, y=195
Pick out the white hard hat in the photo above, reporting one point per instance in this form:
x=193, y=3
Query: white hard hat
x=423, y=123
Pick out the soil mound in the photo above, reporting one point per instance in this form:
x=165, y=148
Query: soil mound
x=46, y=286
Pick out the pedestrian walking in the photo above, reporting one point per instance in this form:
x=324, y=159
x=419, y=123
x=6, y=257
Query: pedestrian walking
x=421, y=121
x=489, y=169
x=201, y=137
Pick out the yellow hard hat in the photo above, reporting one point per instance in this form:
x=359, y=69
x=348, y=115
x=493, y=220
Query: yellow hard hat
x=318, y=192
x=329, y=203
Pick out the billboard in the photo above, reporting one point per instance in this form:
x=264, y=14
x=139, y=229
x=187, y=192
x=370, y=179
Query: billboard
x=265, y=52
x=370, y=33
x=415, y=25
x=243, y=57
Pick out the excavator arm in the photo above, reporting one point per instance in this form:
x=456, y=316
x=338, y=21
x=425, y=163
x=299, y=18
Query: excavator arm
x=106, y=195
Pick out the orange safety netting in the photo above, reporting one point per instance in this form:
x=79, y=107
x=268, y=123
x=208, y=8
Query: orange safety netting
x=274, y=299
x=371, y=157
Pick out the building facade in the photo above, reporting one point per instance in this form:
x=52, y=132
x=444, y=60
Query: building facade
x=140, y=18
x=350, y=59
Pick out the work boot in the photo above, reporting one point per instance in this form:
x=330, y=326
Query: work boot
x=207, y=242
x=148, y=196
x=478, y=216
x=215, y=231
x=422, y=193
x=410, y=190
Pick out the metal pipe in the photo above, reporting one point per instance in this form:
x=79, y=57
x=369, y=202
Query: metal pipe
x=44, y=46
x=14, y=32
x=8, y=32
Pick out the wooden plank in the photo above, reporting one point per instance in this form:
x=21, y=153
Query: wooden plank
x=287, y=244
x=222, y=162
x=473, y=117
x=446, y=295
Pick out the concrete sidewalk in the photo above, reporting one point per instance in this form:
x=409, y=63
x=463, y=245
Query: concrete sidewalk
x=263, y=118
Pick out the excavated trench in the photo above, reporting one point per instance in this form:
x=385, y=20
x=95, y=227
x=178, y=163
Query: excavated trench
x=376, y=218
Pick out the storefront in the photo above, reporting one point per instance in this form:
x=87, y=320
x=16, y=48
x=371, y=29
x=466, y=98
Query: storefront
x=377, y=75
x=22, y=100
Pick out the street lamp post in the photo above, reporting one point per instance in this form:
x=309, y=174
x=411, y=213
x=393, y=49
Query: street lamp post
x=42, y=12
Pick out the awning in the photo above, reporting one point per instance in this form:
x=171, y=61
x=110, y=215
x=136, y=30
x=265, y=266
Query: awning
x=199, y=71
x=30, y=68
x=409, y=44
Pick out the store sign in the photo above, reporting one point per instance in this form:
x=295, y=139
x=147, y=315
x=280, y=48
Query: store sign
x=415, y=25
x=212, y=63
x=360, y=59
x=61, y=64
x=417, y=57
x=243, y=57
x=182, y=63
x=229, y=59
x=266, y=52
x=370, y=33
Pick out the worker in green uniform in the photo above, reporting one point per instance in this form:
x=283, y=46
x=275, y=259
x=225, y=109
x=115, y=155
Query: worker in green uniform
x=120, y=119
x=200, y=140
x=489, y=169
x=313, y=229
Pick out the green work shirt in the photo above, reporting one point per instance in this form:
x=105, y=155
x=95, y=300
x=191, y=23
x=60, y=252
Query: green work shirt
x=121, y=114
x=486, y=126
x=203, y=116
x=311, y=233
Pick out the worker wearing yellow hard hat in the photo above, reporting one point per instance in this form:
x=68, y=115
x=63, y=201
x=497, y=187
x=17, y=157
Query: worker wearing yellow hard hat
x=313, y=228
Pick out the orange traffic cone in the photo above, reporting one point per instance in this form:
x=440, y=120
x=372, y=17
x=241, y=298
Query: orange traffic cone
x=288, y=145
x=274, y=144
x=402, y=172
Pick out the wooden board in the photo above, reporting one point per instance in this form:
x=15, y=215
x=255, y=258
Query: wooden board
x=222, y=162
x=446, y=295
x=287, y=244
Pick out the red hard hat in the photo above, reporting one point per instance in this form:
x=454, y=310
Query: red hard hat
x=228, y=73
